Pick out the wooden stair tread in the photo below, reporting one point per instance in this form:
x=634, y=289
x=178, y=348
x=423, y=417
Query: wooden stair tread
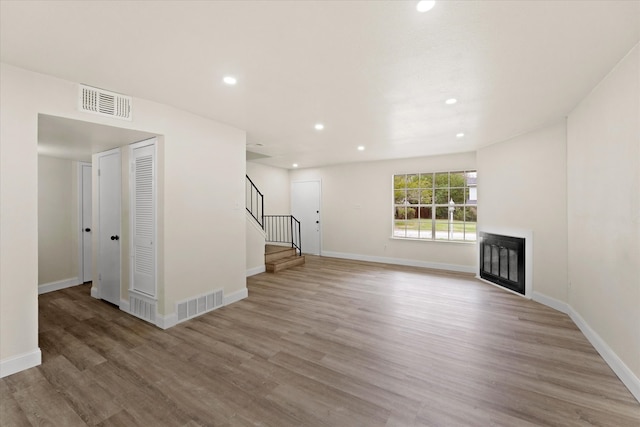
x=273, y=253
x=284, y=263
x=270, y=249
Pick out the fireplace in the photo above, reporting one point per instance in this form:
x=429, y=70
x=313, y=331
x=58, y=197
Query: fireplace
x=502, y=261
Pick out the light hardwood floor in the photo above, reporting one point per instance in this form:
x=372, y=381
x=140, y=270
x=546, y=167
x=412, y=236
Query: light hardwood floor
x=330, y=343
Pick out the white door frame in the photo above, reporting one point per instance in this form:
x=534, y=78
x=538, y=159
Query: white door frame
x=80, y=225
x=141, y=144
x=319, y=181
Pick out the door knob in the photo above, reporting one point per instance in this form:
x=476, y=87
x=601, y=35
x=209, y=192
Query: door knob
x=317, y=222
x=116, y=237
x=87, y=230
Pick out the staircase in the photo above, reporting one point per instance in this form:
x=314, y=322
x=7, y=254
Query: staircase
x=278, y=258
x=284, y=230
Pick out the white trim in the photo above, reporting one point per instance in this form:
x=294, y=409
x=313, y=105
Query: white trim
x=236, y=296
x=438, y=241
x=628, y=378
x=154, y=190
x=527, y=235
x=256, y=270
x=166, y=322
x=57, y=285
x=162, y=322
x=19, y=363
x=562, y=307
x=143, y=306
x=144, y=142
x=623, y=372
x=320, y=207
x=79, y=224
x=143, y=296
x=99, y=230
x=254, y=223
x=401, y=261
x=125, y=306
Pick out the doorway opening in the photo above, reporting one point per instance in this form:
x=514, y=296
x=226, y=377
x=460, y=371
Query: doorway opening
x=67, y=247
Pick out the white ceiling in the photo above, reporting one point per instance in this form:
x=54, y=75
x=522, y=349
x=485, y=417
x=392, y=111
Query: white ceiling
x=376, y=73
x=77, y=140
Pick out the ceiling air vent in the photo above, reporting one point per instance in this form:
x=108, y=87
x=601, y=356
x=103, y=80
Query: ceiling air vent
x=105, y=103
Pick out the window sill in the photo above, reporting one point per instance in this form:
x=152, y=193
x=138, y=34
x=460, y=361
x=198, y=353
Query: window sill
x=455, y=242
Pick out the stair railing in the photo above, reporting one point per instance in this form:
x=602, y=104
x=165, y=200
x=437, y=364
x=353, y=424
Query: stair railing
x=283, y=229
x=254, y=202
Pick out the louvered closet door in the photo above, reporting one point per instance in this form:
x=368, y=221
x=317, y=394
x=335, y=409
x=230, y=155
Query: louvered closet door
x=143, y=215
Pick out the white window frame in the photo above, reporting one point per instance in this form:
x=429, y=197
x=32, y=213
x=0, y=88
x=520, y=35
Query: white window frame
x=436, y=209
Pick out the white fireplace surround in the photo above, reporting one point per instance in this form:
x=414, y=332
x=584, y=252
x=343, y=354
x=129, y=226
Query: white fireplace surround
x=527, y=235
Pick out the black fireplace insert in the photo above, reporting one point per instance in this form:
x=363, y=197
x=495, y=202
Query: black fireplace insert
x=502, y=261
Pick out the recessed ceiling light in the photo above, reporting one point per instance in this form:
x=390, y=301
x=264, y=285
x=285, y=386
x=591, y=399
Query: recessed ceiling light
x=319, y=126
x=295, y=165
x=450, y=101
x=360, y=147
x=425, y=5
x=230, y=80
x=459, y=135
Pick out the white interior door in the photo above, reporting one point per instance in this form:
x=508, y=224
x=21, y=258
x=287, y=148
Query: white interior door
x=85, y=220
x=143, y=217
x=305, y=206
x=109, y=181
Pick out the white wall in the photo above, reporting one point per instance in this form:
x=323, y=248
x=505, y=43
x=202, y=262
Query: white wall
x=255, y=247
x=18, y=224
x=522, y=185
x=57, y=220
x=274, y=184
x=604, y=211
x=356, y=213
x=204, y=212
x=201, y=178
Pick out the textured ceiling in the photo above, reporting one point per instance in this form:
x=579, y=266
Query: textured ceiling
x=376, y=73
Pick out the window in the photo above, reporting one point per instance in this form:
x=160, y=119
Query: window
x=435, y=206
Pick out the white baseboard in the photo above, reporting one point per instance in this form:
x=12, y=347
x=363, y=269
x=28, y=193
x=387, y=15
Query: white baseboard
x=57, y=285
x=95, y=293
x=562, y=307
x=166, y=322
x=124, y=306
x=170, y=320
x=628, y=378
x=162, y=322
x=502, y=288
x=19, y=363
x=236, y=296
x=256, y=270
x=623, y=372
x=401, y=261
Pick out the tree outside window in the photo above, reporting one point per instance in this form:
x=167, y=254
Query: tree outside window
x=436, y=206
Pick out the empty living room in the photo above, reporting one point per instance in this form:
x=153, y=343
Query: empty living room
x=320, y=213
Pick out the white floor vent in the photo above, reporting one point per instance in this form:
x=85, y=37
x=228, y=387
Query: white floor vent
x=105, y=103
x=142, y=308
x=196, y=306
